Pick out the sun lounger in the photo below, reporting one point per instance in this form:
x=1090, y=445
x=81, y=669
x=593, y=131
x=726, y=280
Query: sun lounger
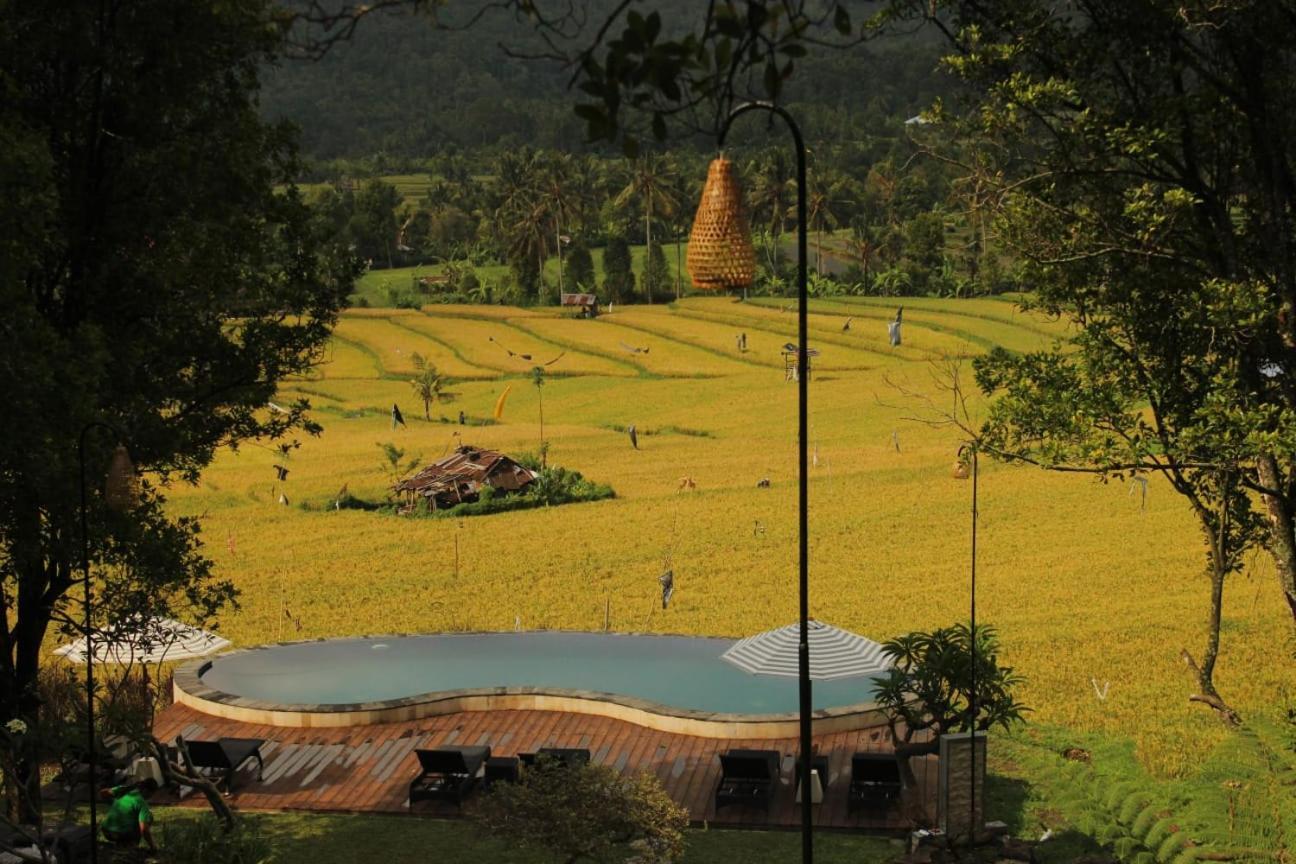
x=225, y=756
x=447, y=773
x=747, y=777
x=875, y=780
x=571, y=757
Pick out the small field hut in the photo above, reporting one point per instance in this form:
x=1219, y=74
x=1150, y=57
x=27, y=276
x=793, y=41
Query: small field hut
x=586, y=303
x=459, y=478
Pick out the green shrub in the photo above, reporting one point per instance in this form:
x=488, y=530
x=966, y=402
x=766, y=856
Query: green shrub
x=587, y=813
x=553, y=486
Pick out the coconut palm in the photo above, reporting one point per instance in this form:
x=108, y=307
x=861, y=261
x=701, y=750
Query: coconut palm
x=865, y=240
x=557, y=196
x=429, y=385
x=773, y=192
x=826, y=194
x=653, y=182
x=520, y=212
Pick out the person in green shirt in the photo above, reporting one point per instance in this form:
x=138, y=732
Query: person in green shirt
x=129, y=818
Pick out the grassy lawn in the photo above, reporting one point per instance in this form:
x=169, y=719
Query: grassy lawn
x=310, y=838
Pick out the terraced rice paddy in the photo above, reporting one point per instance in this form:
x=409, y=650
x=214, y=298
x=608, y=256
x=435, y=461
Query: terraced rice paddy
x=1088, y=588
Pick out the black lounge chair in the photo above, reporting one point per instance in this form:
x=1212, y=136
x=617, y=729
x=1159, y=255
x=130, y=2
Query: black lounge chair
x=225, y=756
x=501, y=769
x=447, y=773
x=569, y=757
x=875, y=781
x=747, y=777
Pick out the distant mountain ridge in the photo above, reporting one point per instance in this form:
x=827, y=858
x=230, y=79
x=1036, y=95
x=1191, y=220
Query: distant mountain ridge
x=404, y=88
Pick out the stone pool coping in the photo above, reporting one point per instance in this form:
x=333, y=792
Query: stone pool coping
x=189, y=689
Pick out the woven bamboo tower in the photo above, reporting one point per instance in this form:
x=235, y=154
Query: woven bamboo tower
x=720, y=253
x=121, y=489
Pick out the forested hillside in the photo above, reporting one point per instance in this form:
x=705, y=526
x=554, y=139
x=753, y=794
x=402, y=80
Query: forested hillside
x=407, y=88
x=430, y=144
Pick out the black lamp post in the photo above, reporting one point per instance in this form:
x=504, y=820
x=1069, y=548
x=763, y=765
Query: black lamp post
x=118, y=492
x=803, y=381
x=966, y=453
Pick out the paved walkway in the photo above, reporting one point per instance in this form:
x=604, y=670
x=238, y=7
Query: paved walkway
x=368, y=768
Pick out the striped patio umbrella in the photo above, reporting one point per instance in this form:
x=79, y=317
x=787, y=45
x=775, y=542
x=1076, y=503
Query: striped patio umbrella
x=834, y=653
x=157, y=640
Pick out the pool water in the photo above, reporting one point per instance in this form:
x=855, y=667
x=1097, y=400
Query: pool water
x=679, y=671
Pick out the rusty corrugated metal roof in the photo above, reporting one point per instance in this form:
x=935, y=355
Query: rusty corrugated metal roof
x=579, y=300
x=465, y=471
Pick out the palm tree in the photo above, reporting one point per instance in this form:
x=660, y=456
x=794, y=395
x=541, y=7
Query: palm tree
x=864, y=240
x=826, y=193
x=652, y=181
x=520, y=211
x=553, y=201
x=589, y=182
x=773, y=192
x=429, y=385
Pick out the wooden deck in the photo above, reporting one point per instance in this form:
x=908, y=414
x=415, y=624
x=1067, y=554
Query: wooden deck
x=368, y=768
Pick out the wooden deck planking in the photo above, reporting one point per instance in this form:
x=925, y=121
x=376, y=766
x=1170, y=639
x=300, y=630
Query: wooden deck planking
x=368, y=768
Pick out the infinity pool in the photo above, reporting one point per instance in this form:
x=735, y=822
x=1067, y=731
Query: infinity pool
x=675, y=671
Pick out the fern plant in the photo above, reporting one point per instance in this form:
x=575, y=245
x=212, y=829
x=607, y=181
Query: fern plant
x=1240, y=806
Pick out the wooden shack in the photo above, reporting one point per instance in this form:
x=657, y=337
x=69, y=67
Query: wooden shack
x=459, y=478
x=586, y=303
x=432, y=283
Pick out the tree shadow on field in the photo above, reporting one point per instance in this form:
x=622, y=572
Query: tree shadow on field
x=1010, y=800
x=1006, y=799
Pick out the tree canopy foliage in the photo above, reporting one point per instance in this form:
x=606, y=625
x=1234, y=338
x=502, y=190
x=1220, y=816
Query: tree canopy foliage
x=1138, y=158
x=153, y=280
x=937, y=685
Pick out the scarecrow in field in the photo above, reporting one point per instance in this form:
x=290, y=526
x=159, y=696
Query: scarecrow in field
x=667, y=581
x=634, y=436
x=893, y=328
x=397, y=417
x=846, y=326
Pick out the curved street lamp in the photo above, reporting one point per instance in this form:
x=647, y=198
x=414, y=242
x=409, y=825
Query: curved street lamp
x=967, y=454
x=119, y=495
x=728, y=267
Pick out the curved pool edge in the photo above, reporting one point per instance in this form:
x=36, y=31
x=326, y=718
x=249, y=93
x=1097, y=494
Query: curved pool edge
x=188, y=689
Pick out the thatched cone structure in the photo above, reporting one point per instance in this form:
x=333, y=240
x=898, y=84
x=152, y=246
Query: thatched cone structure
x=121, y=488
x=720, y=253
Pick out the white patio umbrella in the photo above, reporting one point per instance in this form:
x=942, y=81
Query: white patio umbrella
x=834, y=653
x=158, y=640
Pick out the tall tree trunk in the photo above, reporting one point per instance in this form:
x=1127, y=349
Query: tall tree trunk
x=540, y=396
x=912, y=802
x=1282, y=540
x=558, y=241
x=22, y=775
x=1219, y=558
x=679, y=264
x=648, y=240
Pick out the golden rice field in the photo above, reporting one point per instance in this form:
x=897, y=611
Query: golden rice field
x=1088, y=589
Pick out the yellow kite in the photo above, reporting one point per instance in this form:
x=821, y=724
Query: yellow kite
x=499, y=403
